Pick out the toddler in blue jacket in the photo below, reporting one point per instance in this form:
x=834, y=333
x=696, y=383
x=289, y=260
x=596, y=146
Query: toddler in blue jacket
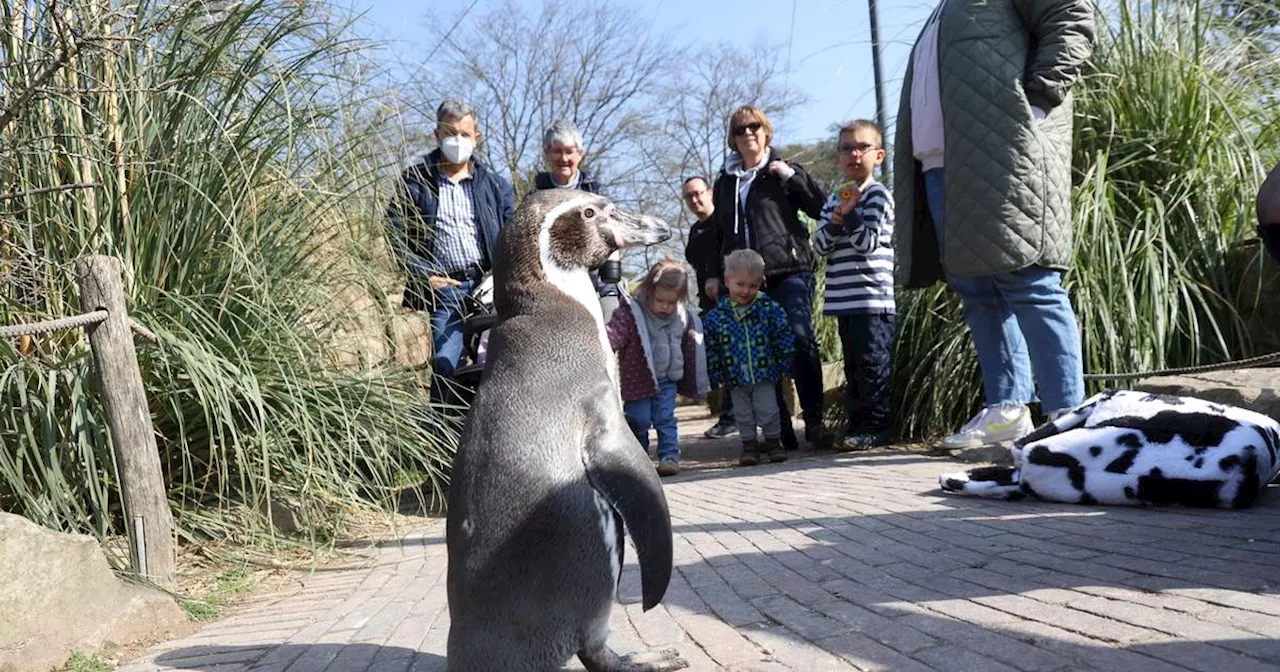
x=750, y=347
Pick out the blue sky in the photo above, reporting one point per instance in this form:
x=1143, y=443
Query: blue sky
x=830, y=53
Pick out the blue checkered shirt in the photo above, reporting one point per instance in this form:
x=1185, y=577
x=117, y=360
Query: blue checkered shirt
x=457, y=239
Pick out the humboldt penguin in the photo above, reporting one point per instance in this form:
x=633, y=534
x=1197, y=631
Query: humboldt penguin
x=548, y=475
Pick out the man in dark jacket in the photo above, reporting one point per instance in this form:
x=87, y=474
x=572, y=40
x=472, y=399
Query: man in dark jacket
x=443, y=226
x=702, y=251
x=758, y=197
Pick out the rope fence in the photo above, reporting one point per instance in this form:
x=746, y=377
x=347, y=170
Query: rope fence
x=72, y=322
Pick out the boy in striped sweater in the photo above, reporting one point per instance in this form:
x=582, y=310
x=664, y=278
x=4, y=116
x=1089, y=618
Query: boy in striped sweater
x=856, y=237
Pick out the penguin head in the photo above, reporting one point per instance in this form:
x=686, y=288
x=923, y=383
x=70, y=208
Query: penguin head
x=556, y=237
x=581, y=230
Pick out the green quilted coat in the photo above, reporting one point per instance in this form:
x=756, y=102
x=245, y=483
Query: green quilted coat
x=1008, y=176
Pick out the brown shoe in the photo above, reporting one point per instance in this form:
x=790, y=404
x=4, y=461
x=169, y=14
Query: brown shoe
x=774, y=448
x=750, y=454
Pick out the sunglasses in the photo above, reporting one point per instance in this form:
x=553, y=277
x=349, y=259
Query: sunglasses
x=754, y=127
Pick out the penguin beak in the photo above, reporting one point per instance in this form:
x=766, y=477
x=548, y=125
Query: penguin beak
x=629, y=230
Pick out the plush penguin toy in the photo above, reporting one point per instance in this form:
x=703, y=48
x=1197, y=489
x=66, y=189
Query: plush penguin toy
x=548, y=475
x=1125, y=447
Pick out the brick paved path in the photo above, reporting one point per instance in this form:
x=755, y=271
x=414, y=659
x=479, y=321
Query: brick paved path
x=840, y=563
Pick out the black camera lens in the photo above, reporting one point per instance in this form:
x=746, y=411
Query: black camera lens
x=611, y=271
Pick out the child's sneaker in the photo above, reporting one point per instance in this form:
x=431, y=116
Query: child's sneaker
x=750, y=454
x=993, y=424
x=774, y=448
x=668, y=466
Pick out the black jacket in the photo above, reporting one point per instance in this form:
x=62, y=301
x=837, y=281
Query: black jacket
x=776, y=231
x=412, y=217
x=702, y=251
x=585, y=182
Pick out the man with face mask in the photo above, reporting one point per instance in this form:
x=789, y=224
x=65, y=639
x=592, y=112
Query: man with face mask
x=444, y=223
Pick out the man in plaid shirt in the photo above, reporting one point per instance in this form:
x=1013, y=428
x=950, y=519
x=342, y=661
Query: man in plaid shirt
x=444, y=223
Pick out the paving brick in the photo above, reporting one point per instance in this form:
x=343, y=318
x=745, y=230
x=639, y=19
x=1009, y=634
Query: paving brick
x=1204, y=657
x=867, y=654
x=1009, y=650
x=1069, y=619
x=956, y=659
x=793, y=616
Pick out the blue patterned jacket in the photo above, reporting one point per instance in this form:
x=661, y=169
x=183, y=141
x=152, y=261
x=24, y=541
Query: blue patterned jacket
x=749, y=344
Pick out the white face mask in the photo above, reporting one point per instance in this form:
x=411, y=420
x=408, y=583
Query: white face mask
x=457, y=149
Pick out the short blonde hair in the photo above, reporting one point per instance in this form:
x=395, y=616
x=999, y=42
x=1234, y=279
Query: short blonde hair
x=668, y=274
x=744, y=115
x=744, y=261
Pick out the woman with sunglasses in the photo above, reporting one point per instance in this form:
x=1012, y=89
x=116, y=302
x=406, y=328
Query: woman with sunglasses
x=758, y=197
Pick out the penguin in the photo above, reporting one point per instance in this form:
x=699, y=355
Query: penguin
x=548, y=476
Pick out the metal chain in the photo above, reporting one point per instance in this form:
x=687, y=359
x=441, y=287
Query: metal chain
x=49, y=326
x=1223, y=366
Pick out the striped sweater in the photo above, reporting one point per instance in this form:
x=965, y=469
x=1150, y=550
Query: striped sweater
x=859, y=254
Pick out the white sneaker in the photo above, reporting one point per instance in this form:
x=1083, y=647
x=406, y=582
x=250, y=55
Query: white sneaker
x=993, y=424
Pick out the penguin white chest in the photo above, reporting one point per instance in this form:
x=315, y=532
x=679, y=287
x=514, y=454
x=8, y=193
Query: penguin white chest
x=576, y=283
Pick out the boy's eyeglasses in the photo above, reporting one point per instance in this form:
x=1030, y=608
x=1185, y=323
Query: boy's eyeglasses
x=754, y=127
x=860, y=148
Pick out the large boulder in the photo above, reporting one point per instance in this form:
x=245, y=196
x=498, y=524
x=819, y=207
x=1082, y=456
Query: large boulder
x=1255, y=389
x=58, y=595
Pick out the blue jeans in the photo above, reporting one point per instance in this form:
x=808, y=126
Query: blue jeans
x=447, y=308
x=1020, y=321
x=794, y=292
x=659, y=412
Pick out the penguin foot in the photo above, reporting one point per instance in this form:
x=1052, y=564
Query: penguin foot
x=605, y=660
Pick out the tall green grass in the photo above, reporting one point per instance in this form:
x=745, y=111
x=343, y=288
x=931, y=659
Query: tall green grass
x=230, y=161
x=1173, y=130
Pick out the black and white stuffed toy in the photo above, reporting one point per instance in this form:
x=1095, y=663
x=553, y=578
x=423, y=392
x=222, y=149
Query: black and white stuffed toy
x=1125, y=447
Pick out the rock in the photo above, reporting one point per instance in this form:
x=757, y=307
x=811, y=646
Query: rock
x=58, y=595
x=1254, y=389
x=411, y=337
x=285, y=518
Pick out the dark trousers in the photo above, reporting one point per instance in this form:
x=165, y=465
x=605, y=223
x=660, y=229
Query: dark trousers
x=726, y=408
x=1270, y=235
x=867, y=341
x=794, y=292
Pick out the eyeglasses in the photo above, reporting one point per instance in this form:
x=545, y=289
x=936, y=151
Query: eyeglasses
x=754, y=127
x=861, y=148
x=693, y=195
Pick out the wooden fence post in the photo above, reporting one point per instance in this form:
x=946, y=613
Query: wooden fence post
x=148, y=519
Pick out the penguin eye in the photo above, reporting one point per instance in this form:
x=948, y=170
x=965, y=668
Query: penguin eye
x=589, y=213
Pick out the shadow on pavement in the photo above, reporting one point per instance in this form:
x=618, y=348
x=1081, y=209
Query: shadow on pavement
x=336, y=657
x=957, y=581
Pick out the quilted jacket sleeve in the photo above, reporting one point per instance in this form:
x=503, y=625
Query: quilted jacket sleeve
x=715, y=352
x=1064, y=34
x=783, y=338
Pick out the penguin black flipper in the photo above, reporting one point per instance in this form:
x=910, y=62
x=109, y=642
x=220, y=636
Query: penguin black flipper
x=620, y=471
